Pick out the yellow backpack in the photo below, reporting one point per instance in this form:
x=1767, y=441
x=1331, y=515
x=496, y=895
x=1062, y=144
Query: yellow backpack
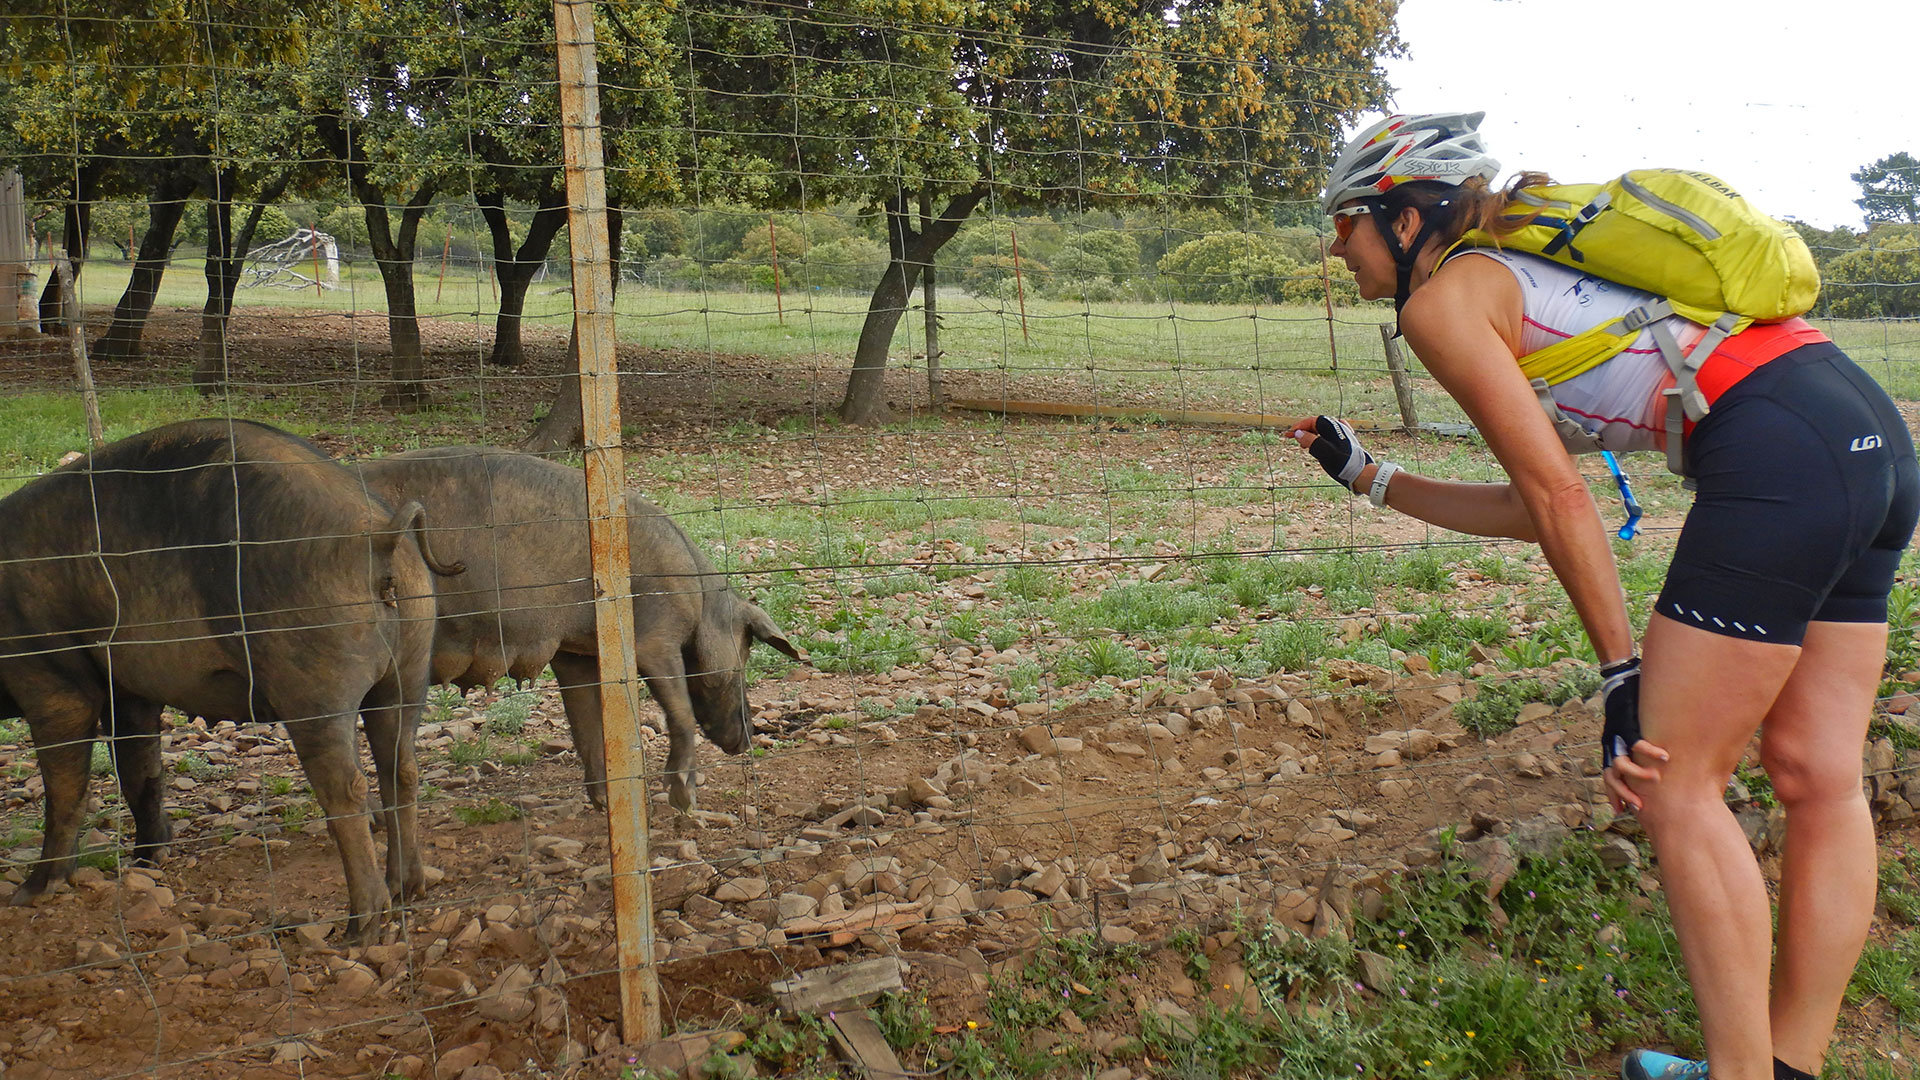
x=1684, y=236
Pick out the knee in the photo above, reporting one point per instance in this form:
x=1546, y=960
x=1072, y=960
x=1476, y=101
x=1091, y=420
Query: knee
x=1801, y=779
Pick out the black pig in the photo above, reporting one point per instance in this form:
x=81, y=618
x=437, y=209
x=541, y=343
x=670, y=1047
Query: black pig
x=519, y=525
x=230, y=570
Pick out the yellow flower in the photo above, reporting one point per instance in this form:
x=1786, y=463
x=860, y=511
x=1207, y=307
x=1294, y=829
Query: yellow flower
x=1543, y=980
x=1579, y=967
x=971, y=1025
x=1402, y=945
x=1428, y=1061
x=1469, y=1034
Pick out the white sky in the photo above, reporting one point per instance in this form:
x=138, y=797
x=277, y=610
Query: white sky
x=1782, y=100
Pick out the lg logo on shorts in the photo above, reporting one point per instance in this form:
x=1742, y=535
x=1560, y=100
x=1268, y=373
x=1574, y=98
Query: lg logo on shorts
x=1864, y=442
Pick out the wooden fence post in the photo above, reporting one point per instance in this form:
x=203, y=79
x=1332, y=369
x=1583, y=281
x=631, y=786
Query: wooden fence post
x=607, y=518
x=1397, y=369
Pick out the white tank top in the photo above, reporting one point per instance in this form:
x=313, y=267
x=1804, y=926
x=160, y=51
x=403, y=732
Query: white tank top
x=1619, y=400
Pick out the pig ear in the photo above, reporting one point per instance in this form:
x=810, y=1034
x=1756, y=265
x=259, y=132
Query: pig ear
x=763, y=629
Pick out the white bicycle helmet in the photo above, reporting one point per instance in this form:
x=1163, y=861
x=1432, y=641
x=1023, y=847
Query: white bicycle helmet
x=1407, y=147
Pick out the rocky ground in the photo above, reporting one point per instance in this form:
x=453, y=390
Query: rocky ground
x=950, y=837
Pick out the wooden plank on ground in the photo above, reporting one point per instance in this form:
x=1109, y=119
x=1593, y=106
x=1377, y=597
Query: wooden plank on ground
x=1200, y=417
x=861, y=1043
x=841, y=986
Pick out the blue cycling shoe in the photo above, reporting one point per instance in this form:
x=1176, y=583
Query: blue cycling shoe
x=1653, y=1065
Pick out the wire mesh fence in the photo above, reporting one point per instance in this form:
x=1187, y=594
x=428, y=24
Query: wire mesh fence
x=971, y=573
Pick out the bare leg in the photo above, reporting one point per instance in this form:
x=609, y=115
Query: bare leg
x=1702, y=697
x=1810, y=745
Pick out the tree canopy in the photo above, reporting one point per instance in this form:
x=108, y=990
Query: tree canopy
x=1890, y=189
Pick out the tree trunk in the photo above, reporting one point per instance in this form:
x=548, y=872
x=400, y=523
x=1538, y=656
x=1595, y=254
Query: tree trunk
x=78, y=227
x=226, y=257
x=516, y=270
x=165, y=207
x=564, y=428
x=911, y=251
x=210, y=368
x=929, y=303
x=393, y=252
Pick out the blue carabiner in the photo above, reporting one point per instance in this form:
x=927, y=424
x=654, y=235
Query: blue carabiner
x=1632, y=527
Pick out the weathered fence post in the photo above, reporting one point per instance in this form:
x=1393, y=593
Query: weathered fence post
x=607, y=517
x=1326, y=289
x=1019, y=287
x=77, y=344
x=1397, y=369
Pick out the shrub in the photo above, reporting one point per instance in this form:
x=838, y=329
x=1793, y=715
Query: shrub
x=1231, y=268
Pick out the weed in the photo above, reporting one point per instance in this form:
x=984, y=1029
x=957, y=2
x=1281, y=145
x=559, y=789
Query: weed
x=104, y=859
x=1102, y=657
x=101, y=763
x=1498, y=702
x=1423, y=570
x=1903, y=635
x=904, y=1021
x=1901, y=731
x=895, y=584
x=1292, y=646
x=195, y=764
x=1030, y=582
x=964, y=626
x=1024, y=676
x=1758, y=784
x=298, y=813
x=15, y=834
x=470, y=751
x=1187, y=942
x=508, y=716
x=491, y=812
x=868, y=647
x=1900, y=885
x=1891, y=973
x=441, y=701
x=787, y=1044
x=278, y=786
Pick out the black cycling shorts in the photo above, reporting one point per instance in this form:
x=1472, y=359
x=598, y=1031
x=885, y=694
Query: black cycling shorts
x=1808, y=493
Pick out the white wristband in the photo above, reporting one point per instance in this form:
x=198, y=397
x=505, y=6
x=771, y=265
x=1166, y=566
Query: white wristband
x=1377, y=494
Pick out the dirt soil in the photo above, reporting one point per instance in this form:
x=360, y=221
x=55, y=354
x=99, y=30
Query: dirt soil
x=952, y=837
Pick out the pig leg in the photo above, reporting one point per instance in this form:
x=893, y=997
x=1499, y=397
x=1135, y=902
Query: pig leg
x=132, y=727
x=579, y=678
x=666, y=677
x=63, y=729
x=390, y=735
x=323, y=738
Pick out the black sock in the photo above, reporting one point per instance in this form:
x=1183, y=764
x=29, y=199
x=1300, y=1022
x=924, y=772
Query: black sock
x=1784, y=1071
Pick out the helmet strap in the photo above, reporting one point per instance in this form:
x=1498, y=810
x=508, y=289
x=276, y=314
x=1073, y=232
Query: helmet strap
x=1384, y=219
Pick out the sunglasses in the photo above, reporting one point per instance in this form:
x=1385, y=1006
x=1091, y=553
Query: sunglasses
x=1345, y=218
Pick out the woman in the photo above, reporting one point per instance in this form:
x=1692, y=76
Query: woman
x=1773, y=615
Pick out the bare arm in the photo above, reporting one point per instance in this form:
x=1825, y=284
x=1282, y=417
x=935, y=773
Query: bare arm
x=1462, y=323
